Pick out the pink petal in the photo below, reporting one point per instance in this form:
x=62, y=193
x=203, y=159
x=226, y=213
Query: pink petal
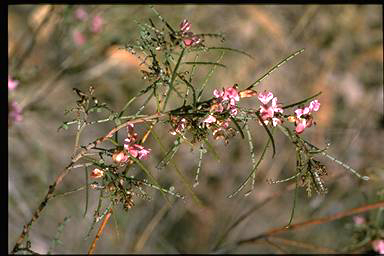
x=314, y=105
x=301, y=126
x=218, y=93
x=209, y=119
x=299, y=112
x=265, y=97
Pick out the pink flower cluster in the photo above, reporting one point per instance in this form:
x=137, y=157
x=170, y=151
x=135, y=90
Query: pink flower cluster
x=131, y=149
x=225, y=100
x=189, y=39
x=81, y=14
x=270, y=110
x=303, y=116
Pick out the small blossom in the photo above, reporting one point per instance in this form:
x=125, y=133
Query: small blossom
x=218, y=93
x=138, y=151
x=81, y=14
x=12, y=84
x=231, y=95
x=209, y=119
x=314, y=105
x=358, y=220
x=378, y=245
x=185, y=25
x=97, y=23
x=78, y=38
x=97, y=173
x=15, y=113
x=265, y=97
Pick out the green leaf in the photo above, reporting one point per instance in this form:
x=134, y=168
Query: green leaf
x=204, y=63
x=231, y=49
x=269, y=134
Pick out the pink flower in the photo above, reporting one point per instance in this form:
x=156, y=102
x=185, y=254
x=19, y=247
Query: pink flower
x=303, y=116
x=268, y=112
x=378, y=245
x=210, y=119
x=138, y=151
x=265, y=97
x=78, y=38
x=232, y=95
x=15, y=113
x=12, y=84
x=97, y=23
x=81, y=14
x=358, y=220
x=218, y=93
x=301, y=125
x=314, y=105
x=185, y=25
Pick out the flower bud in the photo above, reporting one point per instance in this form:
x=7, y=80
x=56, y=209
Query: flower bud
x=97, y=173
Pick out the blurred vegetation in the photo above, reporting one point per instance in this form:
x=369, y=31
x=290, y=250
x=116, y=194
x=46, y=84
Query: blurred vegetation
x=343, y=59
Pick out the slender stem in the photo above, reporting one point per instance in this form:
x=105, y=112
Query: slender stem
x=322, y=220
x=100, y=231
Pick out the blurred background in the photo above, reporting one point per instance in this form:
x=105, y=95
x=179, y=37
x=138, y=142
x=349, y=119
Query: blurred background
x=54, y=48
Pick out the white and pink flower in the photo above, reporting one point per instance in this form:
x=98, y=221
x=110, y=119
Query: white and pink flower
x=378, y=246
x=304, y=118
x=269, y=110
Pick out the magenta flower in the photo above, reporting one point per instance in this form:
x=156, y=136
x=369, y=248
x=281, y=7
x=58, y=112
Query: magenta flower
x=12, y=84
x=265, y=97
x=134, y=150
x=97, y=23
x=231, y=95
x=15, y=113
x=78, y=38
x=137, y=151
x=378, y=245
x=185, y=25
x=81, y=14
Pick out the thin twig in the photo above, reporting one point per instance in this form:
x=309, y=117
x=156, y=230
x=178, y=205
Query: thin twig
x=312, y=222
x=100, y=231
x=67, y=169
